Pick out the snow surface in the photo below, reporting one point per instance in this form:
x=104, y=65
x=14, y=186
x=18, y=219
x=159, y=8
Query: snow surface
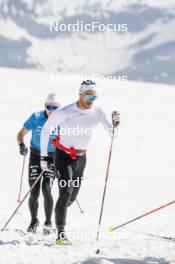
x=141, y=176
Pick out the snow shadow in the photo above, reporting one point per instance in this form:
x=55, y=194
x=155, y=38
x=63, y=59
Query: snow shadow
x=146, y=260
x=12, y=242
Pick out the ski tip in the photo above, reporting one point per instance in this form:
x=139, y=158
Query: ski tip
x=111, y=229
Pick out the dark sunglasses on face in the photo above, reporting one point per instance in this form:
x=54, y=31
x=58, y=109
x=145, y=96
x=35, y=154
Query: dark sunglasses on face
x=51, y=107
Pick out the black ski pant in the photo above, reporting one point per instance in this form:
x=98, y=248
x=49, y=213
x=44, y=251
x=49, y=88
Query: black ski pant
x=70, y=174
x=47, y=182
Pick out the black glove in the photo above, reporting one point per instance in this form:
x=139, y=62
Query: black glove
x=115, y=118
x=23, y=149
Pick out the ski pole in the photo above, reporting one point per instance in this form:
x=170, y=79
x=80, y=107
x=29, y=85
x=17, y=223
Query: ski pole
x=111, y=229
x=81, y=210
x=32, y=187
x=21, y=181
x=105, y=186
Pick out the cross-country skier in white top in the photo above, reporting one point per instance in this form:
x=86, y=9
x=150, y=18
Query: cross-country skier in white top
x=70, y=155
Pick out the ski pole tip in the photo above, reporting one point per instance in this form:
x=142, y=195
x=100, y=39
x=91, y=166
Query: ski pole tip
x=98, y=251
x=111, y=229
x=18, y=201
x=82, y=212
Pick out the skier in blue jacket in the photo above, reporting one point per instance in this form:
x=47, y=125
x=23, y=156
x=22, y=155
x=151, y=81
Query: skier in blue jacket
x=34, y=124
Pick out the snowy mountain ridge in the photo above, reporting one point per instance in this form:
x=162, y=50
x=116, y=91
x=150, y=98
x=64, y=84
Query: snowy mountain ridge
x=145, y=52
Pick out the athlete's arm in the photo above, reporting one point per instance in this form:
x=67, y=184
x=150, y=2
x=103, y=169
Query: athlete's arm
x=20, y=138
x=104, y=121
x=28, y=126
x=21, y=134
x=57, y=117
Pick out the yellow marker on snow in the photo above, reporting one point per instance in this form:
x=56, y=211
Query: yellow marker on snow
x=111, y=229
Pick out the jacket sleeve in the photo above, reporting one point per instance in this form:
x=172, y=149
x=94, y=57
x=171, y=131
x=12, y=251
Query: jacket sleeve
x=29, y=123
x=104, y=121
x=53, y=121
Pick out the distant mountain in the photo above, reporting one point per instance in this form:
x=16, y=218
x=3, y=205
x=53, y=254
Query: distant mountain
x=145, y=52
